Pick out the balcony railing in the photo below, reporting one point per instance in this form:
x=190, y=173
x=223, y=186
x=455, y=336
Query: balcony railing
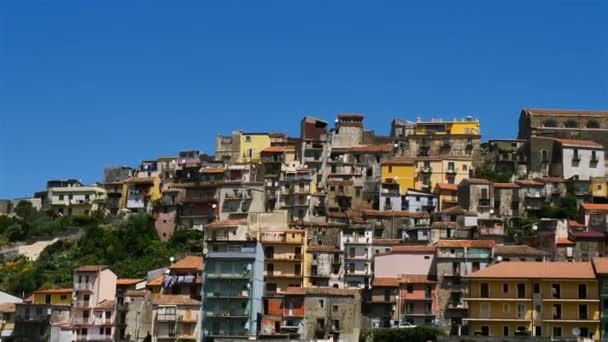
x=83, y=286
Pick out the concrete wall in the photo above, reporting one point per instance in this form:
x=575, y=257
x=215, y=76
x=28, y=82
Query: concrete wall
x=396, y=264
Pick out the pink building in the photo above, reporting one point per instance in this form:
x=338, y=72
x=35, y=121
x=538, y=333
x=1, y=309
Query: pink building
x=404, y=286
x=405, y=260
x=93, y=312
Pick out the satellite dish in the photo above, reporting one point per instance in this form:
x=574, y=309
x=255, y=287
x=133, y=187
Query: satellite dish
x=534, y=227
x=576, y=332
x=167, y=271
x=491, y=211
x=396, y=145
x=499, y=258
x=172, y=259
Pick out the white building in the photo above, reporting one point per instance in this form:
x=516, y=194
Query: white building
x=578, y=158
x=77, y=200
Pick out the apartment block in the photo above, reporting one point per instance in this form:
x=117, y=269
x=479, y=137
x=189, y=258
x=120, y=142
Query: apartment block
x=541, y=299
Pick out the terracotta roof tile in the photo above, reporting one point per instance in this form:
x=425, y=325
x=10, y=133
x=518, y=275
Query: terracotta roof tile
x=175, y=300
x=128, y=281
x=575, y=224
x=600, y=265
x=190, y=262
x=278, y=149
x=506, y=185
x=518, y=250
x=51, y=291
x=158, y=281
x=447, y=186
x=564, y=241
x=135, y=293
x=578, y=142
x=386, y=281
x=528, y=182
x=538, y=111
x=91, y=268
x=399, y=161
x=536, y=270
x=595, y=206
x=106, y=304
x=466, y=243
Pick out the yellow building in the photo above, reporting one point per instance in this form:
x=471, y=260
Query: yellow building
x=549, y=299
x=465, y=127
x=598, y=186
x=431, y=171
x=283, y=258
x=140, y=192
x=52, y=296
x=401, y=171
x=251, y=145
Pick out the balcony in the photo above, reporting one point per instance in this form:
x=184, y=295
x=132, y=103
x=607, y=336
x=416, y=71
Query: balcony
x=94, y=337
x=358, y=240
x=238, y=195
x=235, y=275
x=80, y=320
x=84, y=286
x=358, y=272
x=458, y=306
x=166, y=317
x=225, y=294
x=484, y=202
x=81, y=304
x=451, y=170
x=534, y=194
x=426, y=170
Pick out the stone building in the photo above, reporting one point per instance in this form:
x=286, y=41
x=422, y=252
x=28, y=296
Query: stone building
x=567, y=124
x=326, y=267
x=476, y=195
x=313, y=148
x=348, y=130
x=506, y=200
x=506, y=156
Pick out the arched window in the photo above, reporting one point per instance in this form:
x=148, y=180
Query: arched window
x=593, y=124
x=550, y=123
x=571, y=124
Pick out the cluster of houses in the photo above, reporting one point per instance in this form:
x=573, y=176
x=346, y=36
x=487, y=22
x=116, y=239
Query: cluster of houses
x=341, y=230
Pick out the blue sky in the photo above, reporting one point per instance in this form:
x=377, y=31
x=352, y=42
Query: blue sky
x=85, y=84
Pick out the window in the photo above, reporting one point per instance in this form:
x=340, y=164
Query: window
x=321, y=303
x=557, y=331
x=593, y=124
x=464, y=167
x=506, y=308
x=545, y=157
x=582, y=311
x=521, y=290
x=410, y=289
x=536, y=288
x=485, y=331
x=451, y=166
x=550, y=123
x=557, y=311
x=505, y=288
x=593, y=156
x=538, y=330
x=555, y=291
x=101, y=331
x=61, y=197
x=505, y=331
x=390, y=169
x=247, y=138
x=521, y=311
x=451, y=180
x=571, y=124
x=582, y=291
x=484, y=291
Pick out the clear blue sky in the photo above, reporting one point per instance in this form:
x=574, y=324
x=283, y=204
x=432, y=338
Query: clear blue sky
x=85, y=84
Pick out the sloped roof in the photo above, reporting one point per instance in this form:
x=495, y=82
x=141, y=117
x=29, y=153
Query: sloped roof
x=412, y=249
x=447, y=186
x=536, y=270
x=564, y=241
x=595, y=206
x=528, y=182
x=227, y=223
x=506, y=185
x=386, y=242
x=518, y=250
x=323, y=248
x=8, y=307
x=600, y=265
x=91, y=268
x=158, y=281
x=386, y=282
x=466, y=243
x=398, y=161
x=549, y=179
x=175, y=300
x=381, y=148
x=53, y=291
x=140, y=180
x=190, y=262
x=322, y=291
x=416, y=279
x=476, y=181
x=378, y=213
x=106, y=304
x=128, y=281
x=573, y=142
x=212, y=170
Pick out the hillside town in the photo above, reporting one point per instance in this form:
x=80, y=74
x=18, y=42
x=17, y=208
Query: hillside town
x=340, y=231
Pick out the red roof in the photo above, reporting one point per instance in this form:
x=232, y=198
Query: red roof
x=578, y=142
x=386, y=242
x=386, y=282
x=536, y=270
x=416, y=279
x=466, y=243
x=506, y=185
x=549, y=179
x=323, y=248
x=140, y=180
x=575, y=224
x=564, y=241
x=601, y=265
x=190, y=262
x=51, y=291
x=399, y=161
x=277, y=149
x=378, y=213
x=350, y=116
x=127, y=281
x=595, y=206
x=476, y=181
x=212, y=170
x=447, y=186
x=527, y=182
